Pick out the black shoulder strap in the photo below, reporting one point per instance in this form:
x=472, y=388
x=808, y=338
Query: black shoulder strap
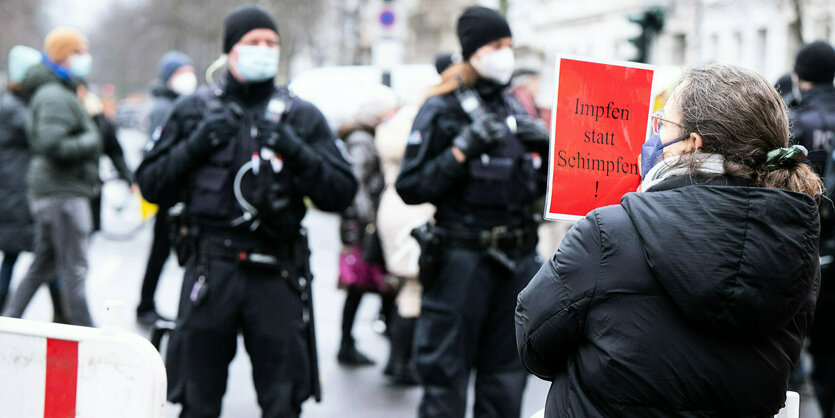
x=280, y=104
x=210, y=100
x=470, y=102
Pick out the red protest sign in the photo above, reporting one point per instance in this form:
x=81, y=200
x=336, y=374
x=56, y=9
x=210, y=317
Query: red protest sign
x=599, y=122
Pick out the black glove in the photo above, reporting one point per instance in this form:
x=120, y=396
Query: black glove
x=210, y=135
x=532, y=132
x=279, y=137
x=484, y=133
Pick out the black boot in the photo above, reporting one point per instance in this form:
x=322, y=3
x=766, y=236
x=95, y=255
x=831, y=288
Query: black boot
x=349, y=355
x=399, y=367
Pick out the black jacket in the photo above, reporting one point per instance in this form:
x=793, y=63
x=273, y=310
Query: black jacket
x=16, y=227
x=813, y=123
x=162, y=102
x=813, y=126
x=320, y=172
x=687, y=300
x=430, y=173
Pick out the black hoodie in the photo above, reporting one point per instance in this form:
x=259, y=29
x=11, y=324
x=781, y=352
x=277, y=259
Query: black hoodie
x=687, y=300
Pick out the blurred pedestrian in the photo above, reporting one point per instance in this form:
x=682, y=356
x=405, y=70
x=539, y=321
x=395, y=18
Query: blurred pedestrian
x=361, y=265
x=16, y=224
x=445, y=60
x=395, y=221
x=787, y=88
x=62, y=175
x=242, y=155
x=693, y=297
x=466, y=156
x=112, y=148
x=177, y=78
x=524, y=87
x=813, y=126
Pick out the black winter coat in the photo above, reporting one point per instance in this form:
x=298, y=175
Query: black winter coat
x=16, y=227
x=684, y=301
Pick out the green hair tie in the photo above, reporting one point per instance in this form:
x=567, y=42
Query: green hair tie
x=786, y=157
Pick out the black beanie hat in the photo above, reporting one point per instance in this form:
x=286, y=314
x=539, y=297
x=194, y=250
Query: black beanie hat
x=478, y=26
x=242, y=20
x=816, y=63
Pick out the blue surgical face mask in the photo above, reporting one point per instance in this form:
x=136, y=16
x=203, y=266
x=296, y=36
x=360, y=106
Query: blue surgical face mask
x=652, y=152
x=80, y=65
x=256, y=63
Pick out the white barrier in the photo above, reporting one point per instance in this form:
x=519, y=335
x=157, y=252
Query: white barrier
x=50, y=370
x=791, y=410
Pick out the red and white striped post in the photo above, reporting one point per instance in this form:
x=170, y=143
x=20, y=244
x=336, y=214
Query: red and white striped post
x=57, y=371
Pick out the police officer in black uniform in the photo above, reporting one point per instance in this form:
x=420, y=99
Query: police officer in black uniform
x=242, y=155
x=813, y=126
x=476, y=156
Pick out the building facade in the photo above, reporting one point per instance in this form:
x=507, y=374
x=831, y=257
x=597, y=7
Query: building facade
x=763, y=35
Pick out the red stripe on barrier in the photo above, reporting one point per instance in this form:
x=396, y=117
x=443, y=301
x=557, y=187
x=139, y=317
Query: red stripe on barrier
x=61, y=378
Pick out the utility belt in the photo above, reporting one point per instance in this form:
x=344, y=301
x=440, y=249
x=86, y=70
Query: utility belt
x=245, y=252
x=500, y=237
x=499, y=245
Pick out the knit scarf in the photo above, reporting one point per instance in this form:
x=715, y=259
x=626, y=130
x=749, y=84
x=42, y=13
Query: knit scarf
x=712, y=164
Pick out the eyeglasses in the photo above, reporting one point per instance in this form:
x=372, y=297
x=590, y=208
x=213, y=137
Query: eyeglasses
x=658, y=122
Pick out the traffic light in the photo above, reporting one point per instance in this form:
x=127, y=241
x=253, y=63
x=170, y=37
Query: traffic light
x=651, y=22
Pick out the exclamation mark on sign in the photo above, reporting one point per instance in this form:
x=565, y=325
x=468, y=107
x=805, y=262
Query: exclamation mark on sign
x=596, y=184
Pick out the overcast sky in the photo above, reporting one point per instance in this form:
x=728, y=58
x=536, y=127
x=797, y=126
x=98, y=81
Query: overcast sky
x=82, y=14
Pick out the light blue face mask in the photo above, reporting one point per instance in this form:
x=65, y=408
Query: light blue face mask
x=80, y=65
x=256, y=63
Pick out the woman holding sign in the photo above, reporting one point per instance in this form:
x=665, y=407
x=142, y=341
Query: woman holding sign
x=470, y=154
x=691, y=298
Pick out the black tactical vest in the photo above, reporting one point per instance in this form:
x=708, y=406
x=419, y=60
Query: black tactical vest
x=212, y=193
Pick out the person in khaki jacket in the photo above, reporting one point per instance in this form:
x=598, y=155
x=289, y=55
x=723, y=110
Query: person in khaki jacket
x=63, y=173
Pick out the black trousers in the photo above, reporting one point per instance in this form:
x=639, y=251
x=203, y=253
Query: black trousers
x=160, y=251
x=467, y=323
x=262, y=305
x=822, y=344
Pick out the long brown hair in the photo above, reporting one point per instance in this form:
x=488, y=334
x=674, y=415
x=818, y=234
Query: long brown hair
x=740, y=115
x=455, y=76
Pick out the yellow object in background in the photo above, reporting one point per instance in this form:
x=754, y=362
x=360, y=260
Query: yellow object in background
x=147, y=209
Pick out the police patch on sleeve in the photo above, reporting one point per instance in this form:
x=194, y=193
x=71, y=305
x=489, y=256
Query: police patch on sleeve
x=415, y=138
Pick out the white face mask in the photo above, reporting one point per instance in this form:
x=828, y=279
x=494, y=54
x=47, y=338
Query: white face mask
x=183, y=84
x=256, y=63
x=497, y=65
